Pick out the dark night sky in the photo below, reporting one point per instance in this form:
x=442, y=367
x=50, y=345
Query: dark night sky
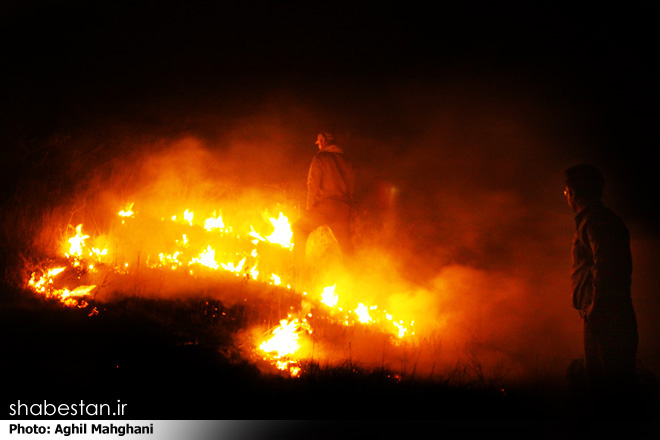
x=70, y=65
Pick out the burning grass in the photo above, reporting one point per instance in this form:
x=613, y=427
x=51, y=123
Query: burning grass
x=184, y=358
x=180, y=284
x=152, y=253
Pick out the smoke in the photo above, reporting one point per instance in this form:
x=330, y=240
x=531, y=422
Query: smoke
x=465, y=190
x=461, y=225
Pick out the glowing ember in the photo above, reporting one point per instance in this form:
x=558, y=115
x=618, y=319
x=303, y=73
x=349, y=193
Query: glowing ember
x=68, y=296
x=170, y=260
x=96, y=252
x=128, y=211
x=44, y=284
x=402, y=330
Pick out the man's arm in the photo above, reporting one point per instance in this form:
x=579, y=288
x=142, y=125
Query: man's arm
x=313, y=182
x=612, y=262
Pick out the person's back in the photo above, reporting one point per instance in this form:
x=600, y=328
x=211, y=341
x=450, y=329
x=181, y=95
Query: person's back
x=330, y=177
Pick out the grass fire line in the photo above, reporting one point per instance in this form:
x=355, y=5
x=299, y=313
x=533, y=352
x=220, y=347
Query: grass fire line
x=179, y=243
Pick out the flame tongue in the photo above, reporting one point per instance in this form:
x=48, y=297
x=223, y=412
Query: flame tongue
x=214, y=222
x=363, y=313
x=77, y=242
x=329, y=297
x=284, y=343
x=282, y=234
x=285, y=339
x=44, y=284
x=128, y=211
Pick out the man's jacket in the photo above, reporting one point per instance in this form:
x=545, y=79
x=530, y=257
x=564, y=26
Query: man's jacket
x=602, y=263
x=330, y=177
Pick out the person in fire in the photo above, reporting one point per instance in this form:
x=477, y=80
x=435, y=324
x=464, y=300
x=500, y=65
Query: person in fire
x=601, y=283
x=330, y=186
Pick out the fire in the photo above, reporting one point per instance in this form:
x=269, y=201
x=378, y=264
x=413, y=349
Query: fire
x=254, y=273
x=230, y=267
x=188, y=216
x=44, y=283
x=285, y=342
x=214, y=222
x=363, y=314
x=282, y=234
x=329, y=297
x=68, y=297
x=207, y=258
x=77, y=242
x=127, y=211
x=213, y=244
x=170, y=260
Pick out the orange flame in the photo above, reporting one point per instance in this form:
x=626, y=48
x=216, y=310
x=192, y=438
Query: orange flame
x=285, y=342
x=282, y=346
x=282, y=234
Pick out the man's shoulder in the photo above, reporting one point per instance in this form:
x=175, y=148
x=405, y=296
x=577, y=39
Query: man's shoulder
x=603, y=218
x=326, y=156
x=329, y=153
x=601, y=213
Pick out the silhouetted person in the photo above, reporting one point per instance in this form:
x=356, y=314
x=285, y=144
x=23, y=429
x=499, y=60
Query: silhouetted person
x=330, y=183
x=601, y=283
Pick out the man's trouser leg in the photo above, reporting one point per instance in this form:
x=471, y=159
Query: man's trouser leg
x=610, y=345
x=301, y=230
x=337, y=217
x=341, y=229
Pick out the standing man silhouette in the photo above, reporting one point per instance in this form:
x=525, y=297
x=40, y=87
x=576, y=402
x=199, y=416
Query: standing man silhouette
x=601, y=283
x=330, y=184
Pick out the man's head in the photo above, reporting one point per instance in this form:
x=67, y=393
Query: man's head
x=323, y=139
x=584, y=185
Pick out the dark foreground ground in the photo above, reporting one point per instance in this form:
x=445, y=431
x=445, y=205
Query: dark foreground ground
x=176, y=360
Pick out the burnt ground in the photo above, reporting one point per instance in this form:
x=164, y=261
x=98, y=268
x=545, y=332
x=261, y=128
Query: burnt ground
x=178, y=359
